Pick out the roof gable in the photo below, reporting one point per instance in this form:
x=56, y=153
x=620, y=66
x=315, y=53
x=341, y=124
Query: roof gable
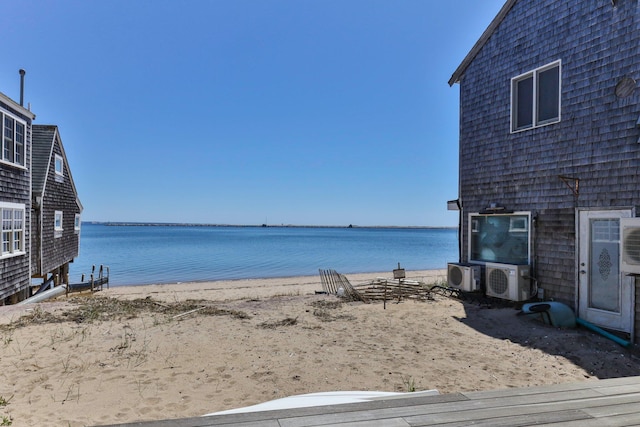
x=486, y=35
x=43, y=140
x=42, y=137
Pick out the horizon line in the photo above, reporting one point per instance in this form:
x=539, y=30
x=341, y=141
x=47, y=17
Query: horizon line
x=197, y=224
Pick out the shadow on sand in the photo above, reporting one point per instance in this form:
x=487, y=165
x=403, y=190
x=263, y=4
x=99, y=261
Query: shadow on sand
x=597, y=355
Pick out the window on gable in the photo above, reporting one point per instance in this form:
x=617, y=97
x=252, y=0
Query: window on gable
x=535, y=98
x=59, y=166
x=76, y=224
x=58, y=224
x=12, y=215
x=13, y=139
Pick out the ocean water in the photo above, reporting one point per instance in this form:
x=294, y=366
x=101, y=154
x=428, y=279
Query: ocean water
x=137, y=254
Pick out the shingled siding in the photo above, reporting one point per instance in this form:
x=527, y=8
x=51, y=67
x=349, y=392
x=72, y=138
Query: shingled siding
x=15, y=187
x=595, y=141
x=555, y=269
x=58, y=196
x=637, y=318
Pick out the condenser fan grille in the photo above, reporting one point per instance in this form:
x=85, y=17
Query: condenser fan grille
x=631, y=249
x=498, y=281
x=455, y=276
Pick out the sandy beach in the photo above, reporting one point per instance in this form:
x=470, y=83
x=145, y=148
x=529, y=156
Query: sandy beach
x=168, y=351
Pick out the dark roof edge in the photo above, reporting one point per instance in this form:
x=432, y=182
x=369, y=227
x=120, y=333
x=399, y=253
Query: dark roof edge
x=36, y=179
x=4, y=98
x=455, y=78
x=66, y=161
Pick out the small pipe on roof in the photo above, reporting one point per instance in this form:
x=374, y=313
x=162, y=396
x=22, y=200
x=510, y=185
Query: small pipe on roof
x=22, y=73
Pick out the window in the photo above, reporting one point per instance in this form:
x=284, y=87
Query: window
x=76, y=224
x=535, y=98
x=18, y=229
x=13, y=139
x=502, y=238
x=8, y=146
x=58, y=224
x=12, y=215
x=59, y=167
x=7, y=230
x=19, y=153
x=605, y=230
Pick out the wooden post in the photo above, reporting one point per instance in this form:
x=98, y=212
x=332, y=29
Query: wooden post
x=399, y=274
x=384, y=305
x=65, y=273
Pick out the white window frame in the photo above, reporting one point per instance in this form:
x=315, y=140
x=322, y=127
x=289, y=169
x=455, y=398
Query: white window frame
x=12, y=227
x=17, y=154
x=57, y=224
x=76, y=223
x=534, y=74
x=59, y=161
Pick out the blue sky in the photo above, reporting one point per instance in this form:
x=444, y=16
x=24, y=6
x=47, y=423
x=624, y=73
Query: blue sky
x=323, y=112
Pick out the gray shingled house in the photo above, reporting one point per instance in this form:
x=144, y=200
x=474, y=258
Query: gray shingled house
x=15, y=199
x=55, y=219
x=549, y=164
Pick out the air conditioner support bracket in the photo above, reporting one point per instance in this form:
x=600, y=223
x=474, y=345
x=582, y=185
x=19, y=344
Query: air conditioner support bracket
x=573, y=186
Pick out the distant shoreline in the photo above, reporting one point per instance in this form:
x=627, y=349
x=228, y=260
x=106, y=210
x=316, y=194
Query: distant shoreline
x=188, y=224
x=137, y=252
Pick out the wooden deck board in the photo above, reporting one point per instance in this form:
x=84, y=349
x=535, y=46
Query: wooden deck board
x=590, y=383
x=611, y=402
x=427, y=412
x=615, y=421
x=516, y=420
x=430, y=412
x=619, y=389
x=387, y=422
x=611, y=410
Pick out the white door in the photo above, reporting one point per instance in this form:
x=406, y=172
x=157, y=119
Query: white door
x=605, y=294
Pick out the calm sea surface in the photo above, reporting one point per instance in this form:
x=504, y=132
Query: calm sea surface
x=167, y=254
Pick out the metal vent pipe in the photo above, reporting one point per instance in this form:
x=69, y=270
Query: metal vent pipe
x=22, y=73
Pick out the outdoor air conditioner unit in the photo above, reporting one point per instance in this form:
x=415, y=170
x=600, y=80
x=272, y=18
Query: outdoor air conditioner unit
x=508, y=281
x=465, y=277
x=630, y=233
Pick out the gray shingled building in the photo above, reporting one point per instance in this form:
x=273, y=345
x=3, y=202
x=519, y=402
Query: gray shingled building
x=39, y=205
x=15, y=199
x=55, y=222
x=550, y=154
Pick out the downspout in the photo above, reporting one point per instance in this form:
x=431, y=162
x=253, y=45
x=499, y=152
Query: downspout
x=39, y=234
x=28, y=148
x=51, y=293
x=459, y=203
x=576, y=250
x=533, y=254
x=576, y=256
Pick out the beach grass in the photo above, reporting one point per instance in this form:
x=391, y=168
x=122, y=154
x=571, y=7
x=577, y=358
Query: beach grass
x=97, y=308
